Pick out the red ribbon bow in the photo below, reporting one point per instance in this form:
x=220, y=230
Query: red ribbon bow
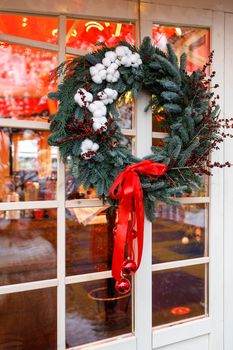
x=128, y=190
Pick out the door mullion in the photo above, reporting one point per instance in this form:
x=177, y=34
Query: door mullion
x=61, y=217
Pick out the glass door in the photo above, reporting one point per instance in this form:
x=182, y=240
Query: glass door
x=56, y=290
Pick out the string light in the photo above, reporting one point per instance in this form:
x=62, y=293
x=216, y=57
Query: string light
x=93, y=24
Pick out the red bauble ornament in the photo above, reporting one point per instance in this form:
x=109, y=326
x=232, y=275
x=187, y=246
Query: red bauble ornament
x=123, y=286
x=129, y=267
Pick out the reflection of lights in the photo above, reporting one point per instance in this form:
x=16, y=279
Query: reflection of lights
x=118, y=29
x=107, y=24
x=74, y=33
x=93, y=24
x=25, y=19
x=3, y=45
x=185, y=240
x=180, y=310
x=178, y=31
x=54, y=32
x=24, y=25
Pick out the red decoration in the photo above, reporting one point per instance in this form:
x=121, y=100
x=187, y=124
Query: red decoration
x=128, y=190
x=123, y=286
x=129, y=267
x=180, y=310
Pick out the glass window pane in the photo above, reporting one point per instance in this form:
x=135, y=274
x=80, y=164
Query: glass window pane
x=28, y=247
x=31, y=27
x=84, y=34
x=28, y=320
x=28, y=166
x=25, y=82
x=89, y=239
x=195, y=42
x=179, y=232
x=179, y=294
x=94, y=312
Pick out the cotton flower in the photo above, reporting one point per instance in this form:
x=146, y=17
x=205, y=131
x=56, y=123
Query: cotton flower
x=99, y=123
x=88, y=148
x=98, y=109
x=83, y=98
x=122, y=51
x=98, y=73
x=135, y=60
x=108, y=96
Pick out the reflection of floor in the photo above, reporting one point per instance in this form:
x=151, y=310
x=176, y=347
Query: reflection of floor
x=167, y=241
x=178, y=288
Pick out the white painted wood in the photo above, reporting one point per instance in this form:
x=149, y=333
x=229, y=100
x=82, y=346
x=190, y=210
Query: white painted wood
x=180, y=263
x=216, y=224
x=76, y=52
x=228, y=190
x=23, y=287
x=95, y=276
x=61, y=219
x=83, y=203
x=181, y=332
x=175, y=16
x=124, y=10
x=23, y=124
x=143, y=277
x=28, y=205
x=118, y=343
x=28, y=42
x=191, y=344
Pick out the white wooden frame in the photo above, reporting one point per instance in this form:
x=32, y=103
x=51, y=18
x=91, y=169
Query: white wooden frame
x=144, y=338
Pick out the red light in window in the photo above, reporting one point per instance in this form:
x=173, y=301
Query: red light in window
x=180, y=310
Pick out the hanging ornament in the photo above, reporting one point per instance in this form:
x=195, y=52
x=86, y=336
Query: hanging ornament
x=129, y=267
x=123, y=286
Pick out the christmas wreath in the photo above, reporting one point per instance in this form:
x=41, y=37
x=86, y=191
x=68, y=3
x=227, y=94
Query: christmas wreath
x=86, y=130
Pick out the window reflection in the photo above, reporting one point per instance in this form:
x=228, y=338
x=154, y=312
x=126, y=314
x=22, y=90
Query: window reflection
x=25, y=82
x=195, y=42
x=31, y=27
x=89, y=239
x=28, y=166
x=94, y=311
x=28, y=320
x=84, y=34
x=27, y=245
x=179, y=232
x=178, y=294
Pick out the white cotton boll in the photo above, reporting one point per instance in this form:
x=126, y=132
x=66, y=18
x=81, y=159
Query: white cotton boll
x=126, y=61
x=133, y=58
x=86, y=145
x=116, y=74
x=137, y=64
x=102, y=95
x=110, y=70
x=118, y=62
x=114, y=80
x=78, y=100
x=111, y=55
x=111, y=93
x=103, y=74
x=82, y=97
x=95, y=147
x=109, y=78
x=106, y=62
x=99, y=66
x=99, y=113
x=115, y=94
x=115, y=66
x=99, y=123
x=120, y=51
x=97, y=79
x=93, y=71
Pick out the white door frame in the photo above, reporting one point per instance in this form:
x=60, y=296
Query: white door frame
x=144, y=338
